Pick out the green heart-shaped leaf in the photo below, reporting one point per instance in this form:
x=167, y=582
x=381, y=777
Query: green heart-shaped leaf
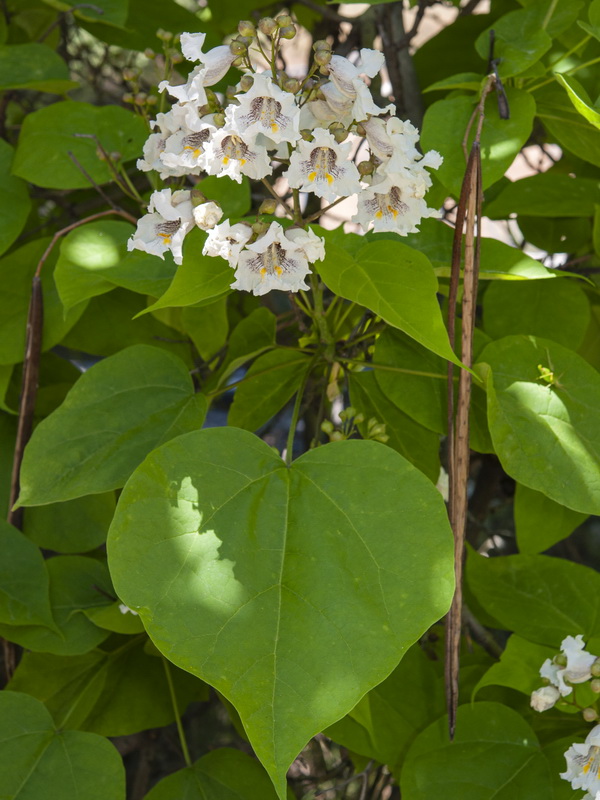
x=292, y=590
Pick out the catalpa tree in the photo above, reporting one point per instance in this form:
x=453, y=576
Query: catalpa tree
x=299, y=400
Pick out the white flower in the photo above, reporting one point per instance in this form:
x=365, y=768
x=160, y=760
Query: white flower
x=234, y=155
x=308, y=241
x=226, y=241
x=544, y=698
x=577, y=668
x=583, y=763
x=274, y=261
x=265, y=108
x=206, y=215
x=392, y=203
x=323, y=167
x=347, y=80
x=126, y=610
x=192, y=91
x=187, y=149
x=165, y=227
x=213, y=66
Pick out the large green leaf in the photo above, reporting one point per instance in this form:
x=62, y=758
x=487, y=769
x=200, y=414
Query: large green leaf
x=37, y=760
x=546, y=432
x=395, y=281
x=114, y=693
x=495, y=754
x=117, y=412
x=49, y=134
x=557, y=310
x=94, y=259
x=33, y=66
x=251, y=336
x=501, y=139
x=234, y=198
x=223, y=774
x=14, y=199
x=385, y=722
x=519, y=666
x=199, y=278
x=24, y=584
x=73, y=527
x=109, y=12
x=268, y=385
x=556, y=234
x=540, y=522
x=520, y=40
x=76, y=583
x=16, y=273
x=412, y=440
x=549, y=194
x=233, y=567
x=540, y=598
x=207, y=327
x=580, y=99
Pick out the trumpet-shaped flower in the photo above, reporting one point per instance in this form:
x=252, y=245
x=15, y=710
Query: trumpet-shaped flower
x=188, y=149
x=227, y=240
x=234, y=155
x=392, y=204
x=544, y=698
x=323, y=167
x=165, y=227
x=347, y=80
x=577, y=668
x=179, y=118
x=274, y=261
x=583, y=763
x=265, y=108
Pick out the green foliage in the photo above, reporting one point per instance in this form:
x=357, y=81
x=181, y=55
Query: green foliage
x=203, y=493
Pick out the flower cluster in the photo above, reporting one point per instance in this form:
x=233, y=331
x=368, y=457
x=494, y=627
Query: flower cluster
x=574, y=665
x=313, y=128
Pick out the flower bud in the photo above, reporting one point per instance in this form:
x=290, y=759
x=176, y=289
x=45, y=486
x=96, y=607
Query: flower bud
x=149, y=53
x=197, y=197
x=306, y=134
x=340, y=135
x=595, y=668
x=337, y=436
x=260, y=227
x=595, y=685
x=140, y=98
x=359, y=418
x=207, y=215
x=383, y=438
x=283, y=20
x=129, y=74
x=246, y=82
x=377, y=430
x=268, y=206
x=324, y=70
x=288, y=32
x=321, y=44
x=365, y=167
x=560, y=659
x=322, y=57
x=176, y=57
x=360, y=129
x=128, y=97
x=310, y=83
x=164, y=35
x=237, y=48
x=327, y=426
x=267, y=25
x=246, y=28
x=115, y=156
x=291, y=85
x=219, y=120
x=237, y=62
x=589, y=714
x=230, y=92
x=151, y=100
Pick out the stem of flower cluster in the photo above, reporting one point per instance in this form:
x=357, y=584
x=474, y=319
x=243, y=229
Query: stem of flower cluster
x=289, y=447
x=182, y=739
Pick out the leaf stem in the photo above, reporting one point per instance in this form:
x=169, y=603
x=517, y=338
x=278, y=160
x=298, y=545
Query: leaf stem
x=389, y=368
x=182, y=739
x=295, y=414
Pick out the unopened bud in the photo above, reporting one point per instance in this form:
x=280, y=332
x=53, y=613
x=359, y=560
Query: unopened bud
x=365, y=167
x=231, y=92
x=324, y=70
x=383, y=438
x=310, y=83
x=322, y=57
x=595, y=685
x=260, y=227
x=595, y=670
x=337, y=436
x=590, y=714
x=246, y=83
x=268, y=206
x=237, y=62
x=291, y=85
x=149, y=53
x=340, y=135
x=360, y=129
x=115, y=156
x=219, y=120
x=128, y=97
x=164, y=35
x=129, y=74
x=176, y=57
x=321, y=44
x=287, y=32
x=283, y=20
x=237, y=47
x=267, y=25
x=336, y=126
x=151, y=100
x=359, y=418
x=140, y=98
x=327, y=426
x=377, y=430
x=306, y=134
x=197, y=197
x=561, y=660
x=246, y=28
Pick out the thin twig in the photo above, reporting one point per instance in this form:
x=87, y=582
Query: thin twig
x=325, y=11
x=62, y=14
x=87, y=175
x=266, y=183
